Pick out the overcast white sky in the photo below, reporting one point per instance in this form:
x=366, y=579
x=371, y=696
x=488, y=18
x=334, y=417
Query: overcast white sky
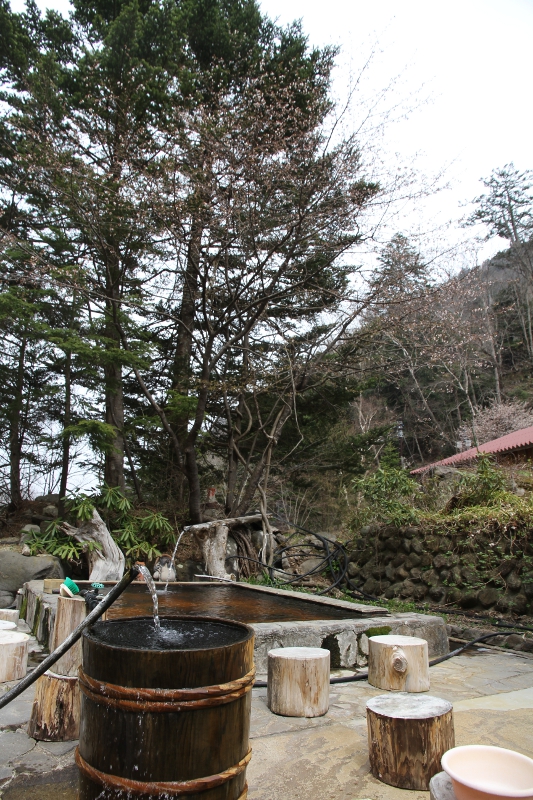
x=471, y=61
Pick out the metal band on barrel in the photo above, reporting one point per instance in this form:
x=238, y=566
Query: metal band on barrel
x=165, y=700
x=162, y=788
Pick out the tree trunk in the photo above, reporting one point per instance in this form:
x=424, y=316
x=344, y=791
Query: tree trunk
x=114, y=392
x=15, y=436
x=65, y=461
x=106, y=563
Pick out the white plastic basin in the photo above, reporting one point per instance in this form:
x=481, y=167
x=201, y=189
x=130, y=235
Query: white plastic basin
x=480, y=772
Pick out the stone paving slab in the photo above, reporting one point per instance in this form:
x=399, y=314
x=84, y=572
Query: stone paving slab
x=326, y=757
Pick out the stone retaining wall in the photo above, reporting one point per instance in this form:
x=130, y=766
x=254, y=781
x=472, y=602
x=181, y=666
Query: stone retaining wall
x=468, y=571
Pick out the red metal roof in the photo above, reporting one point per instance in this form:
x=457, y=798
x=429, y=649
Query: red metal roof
x=512, y=441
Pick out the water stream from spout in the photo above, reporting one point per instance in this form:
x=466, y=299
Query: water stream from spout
x=178, y=540
x=151, y=588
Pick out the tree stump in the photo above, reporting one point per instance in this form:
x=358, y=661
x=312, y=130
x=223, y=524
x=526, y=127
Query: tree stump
x=13, y=656
x=71, y=611
x=9, y=615
x=407, y=736
x=298, y=681
x=398, y=663
x=55, y=715
x=6, y=626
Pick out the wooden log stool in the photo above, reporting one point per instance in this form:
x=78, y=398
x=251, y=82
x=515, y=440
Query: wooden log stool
x=298, y=681
x=407, y=737
x=55, y=714
x=398, y=663
x=13, y=655
x=9, y=615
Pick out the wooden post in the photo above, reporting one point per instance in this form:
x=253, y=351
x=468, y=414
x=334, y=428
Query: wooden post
x=13, y=656
x=398, y=663
x=55, y=715
x=407, y=737
x=298, y=681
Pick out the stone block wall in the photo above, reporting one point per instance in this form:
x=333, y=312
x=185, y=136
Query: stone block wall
x=472, y=571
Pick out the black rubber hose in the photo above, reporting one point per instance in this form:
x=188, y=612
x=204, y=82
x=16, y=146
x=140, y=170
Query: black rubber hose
x=97, y=612
x=362, y=676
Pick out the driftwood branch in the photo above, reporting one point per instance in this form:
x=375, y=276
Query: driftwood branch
x=213, y=537
x=106, y=561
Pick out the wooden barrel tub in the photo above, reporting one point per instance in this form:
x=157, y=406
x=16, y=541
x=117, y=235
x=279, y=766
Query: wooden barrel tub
x=168, y=714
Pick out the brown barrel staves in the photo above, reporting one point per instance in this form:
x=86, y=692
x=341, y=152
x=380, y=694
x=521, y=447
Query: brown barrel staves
x=165, y=723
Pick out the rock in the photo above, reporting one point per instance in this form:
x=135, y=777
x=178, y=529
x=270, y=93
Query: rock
x=353, y=570
x=469, y=574
x=27, y=531
x=456, y=576
x=468, y=600
x=413, y=561
x=430, y=577
x=417, y=547
x=410, y=531
x=437, y=593
x=420, y=591
x=415, y=574
x=6, y=599
x=379, y=572
x=390, y=572
x=401, y=573
x=527, y=588
x=445, y=473
x=25, y=551
x=43, y=527
x=445, y=575
x=513, y=582
x=393, y=591
x=311, y=564
x=368, y=530
x=503, y=604
x=433, y=545
x=453, y=596
x=50, y=511
x=506, y=567
x=408, y=589
x=441, y=561
x=488, y=597
x=371, y=586
x=518, y=604
x=47, y=498
x=425, y=560
x=16, y=569
x=514, y=641
x=10, y=540
x=406, y=544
